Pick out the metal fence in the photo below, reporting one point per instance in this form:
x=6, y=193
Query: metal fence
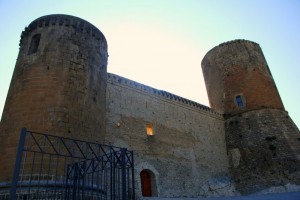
x=53, y=167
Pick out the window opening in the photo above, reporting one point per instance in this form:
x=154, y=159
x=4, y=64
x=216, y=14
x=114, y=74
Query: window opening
x=239, y=101
x=149, y=129
x=34, y=44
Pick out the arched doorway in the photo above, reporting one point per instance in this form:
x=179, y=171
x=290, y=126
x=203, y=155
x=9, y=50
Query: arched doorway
x=146, y=183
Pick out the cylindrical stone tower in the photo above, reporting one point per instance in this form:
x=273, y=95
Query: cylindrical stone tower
x=58, y=85
x=263, y=143
x=238, y=78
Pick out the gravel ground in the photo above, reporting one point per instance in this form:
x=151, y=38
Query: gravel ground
x=273, y=196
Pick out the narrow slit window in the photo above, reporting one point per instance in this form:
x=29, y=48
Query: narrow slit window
x=239, y=101
x=149, y=129
x=34, y=44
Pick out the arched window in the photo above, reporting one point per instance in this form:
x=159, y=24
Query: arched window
x=146, y=183
x=34, y=44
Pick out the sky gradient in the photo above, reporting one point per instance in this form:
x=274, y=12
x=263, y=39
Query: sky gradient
x=161, y=43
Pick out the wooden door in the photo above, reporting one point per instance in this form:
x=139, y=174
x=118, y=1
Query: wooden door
x=146, y=183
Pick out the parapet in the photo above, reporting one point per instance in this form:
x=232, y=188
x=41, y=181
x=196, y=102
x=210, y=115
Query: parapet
x=238, y=41
x=133, y=84
x=61, y=20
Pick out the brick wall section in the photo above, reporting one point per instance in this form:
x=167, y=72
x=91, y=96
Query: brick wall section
x=264, y=149
x=239, y=67
x=188, y=147
x=60, y=89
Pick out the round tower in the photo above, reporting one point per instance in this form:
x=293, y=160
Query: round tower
x=58, y=85
x=238, y=78
x=262, y=140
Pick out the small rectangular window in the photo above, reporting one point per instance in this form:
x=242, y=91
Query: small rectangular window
x=34, y=44
x=149, y=129
x=239, y=101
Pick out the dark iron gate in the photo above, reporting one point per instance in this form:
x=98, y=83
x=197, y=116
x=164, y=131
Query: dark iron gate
x=52, y=167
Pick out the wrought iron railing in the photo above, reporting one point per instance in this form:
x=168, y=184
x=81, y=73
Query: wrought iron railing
x=54, y=167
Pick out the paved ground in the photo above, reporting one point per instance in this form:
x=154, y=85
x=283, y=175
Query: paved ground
x=274, y=196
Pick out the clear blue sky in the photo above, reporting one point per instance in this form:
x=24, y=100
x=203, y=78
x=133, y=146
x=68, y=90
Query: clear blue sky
x=161, y=42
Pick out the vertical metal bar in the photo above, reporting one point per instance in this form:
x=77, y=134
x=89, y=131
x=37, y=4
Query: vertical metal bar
x=41, y=167
x=128, y=182
x=40, y=173
x=74, y=181
x=117, y=184
x=63, y=177
x=92, y=174
x=48, y=174
x=56, y=169
x=82, y=176
x=119, y=181
x=24, y=156
x=132, y=175
x=17, y=164
x=105, y=182
x=66, y=195
x=100, y=184
x=31, y=174
x=111, y=174
x=123, y=168
x=98, y=178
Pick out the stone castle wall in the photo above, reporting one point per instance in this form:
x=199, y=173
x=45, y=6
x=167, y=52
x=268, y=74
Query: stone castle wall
x=188, y=146
x=58, y=85
x=264, y=150
x=61, y=86
x=262, y=141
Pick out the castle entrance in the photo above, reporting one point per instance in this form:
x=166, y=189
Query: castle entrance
x=146, y=183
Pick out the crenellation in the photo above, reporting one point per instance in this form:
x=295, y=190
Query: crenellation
x=122, y=80
x=244, y=143
x=229, y=43
x=62, y=20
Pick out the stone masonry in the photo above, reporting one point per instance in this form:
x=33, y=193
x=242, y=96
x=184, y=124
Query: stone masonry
x=239, y=68
x=245, y=143
x=188, y=146
x=263, y=143
x=59, y=89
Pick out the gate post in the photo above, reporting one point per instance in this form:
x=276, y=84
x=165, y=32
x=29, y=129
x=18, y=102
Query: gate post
x=132, y=176
x=15, y=179
x=123, y=168
x=112, y=173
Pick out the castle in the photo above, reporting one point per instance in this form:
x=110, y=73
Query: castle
x=245, y=143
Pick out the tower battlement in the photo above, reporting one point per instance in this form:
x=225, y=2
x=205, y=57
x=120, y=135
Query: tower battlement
x=243, y=143
x=161, y=93
x=237, y=41
x=76, y=23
